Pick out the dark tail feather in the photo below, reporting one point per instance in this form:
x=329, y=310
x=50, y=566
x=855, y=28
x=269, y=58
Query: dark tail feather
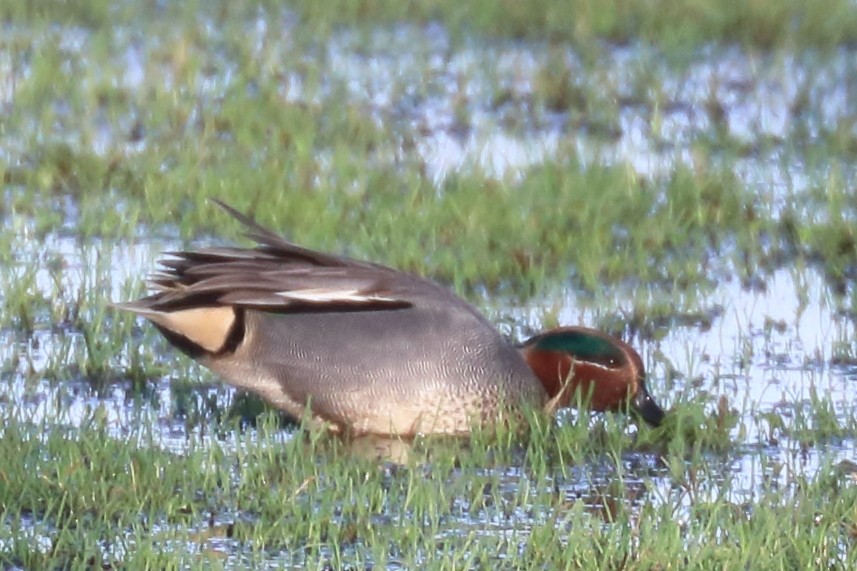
x=269, y=238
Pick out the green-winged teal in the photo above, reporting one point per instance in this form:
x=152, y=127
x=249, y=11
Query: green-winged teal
x=370, y=349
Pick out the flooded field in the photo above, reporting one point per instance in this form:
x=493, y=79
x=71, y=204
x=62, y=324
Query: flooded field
x=699, y=204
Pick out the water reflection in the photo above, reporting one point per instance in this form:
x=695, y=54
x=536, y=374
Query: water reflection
x=776, y=353
x=771, y=352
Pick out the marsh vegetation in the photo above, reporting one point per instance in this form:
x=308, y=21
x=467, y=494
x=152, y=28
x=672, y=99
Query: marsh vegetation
x=683, y=178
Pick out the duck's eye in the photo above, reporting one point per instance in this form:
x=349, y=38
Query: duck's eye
x=608, y=362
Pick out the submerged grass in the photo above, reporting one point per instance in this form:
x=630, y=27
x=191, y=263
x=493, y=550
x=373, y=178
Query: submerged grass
x=115, y=137
x=308, y=502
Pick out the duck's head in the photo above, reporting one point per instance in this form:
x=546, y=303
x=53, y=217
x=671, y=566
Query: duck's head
x=606, y=370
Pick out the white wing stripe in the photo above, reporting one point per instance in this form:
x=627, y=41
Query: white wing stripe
x=320, y=295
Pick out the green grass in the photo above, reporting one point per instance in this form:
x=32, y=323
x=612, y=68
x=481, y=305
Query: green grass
x=101, y=170
x=108, y=501
x=672, y=23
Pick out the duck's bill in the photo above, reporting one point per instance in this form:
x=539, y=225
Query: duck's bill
x=647, y=409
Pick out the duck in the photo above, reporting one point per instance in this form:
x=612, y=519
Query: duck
x=361, y=348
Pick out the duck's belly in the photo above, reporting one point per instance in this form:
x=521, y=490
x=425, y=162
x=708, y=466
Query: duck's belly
x=402, y=372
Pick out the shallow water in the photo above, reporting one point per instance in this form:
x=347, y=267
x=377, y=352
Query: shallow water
x=765, y=372
x=772, y=351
